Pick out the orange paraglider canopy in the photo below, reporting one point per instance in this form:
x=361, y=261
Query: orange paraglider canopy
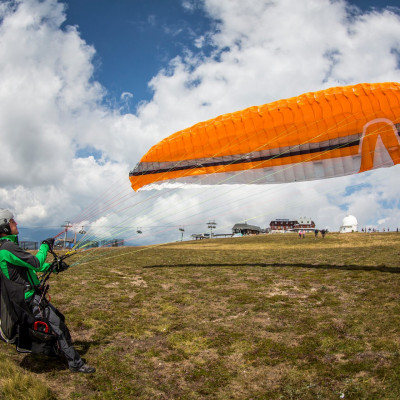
x=333, y=132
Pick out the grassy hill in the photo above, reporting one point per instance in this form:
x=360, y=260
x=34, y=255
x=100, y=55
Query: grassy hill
x=266, y=317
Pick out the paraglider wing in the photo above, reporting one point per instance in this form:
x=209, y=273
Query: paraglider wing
x=333, y=132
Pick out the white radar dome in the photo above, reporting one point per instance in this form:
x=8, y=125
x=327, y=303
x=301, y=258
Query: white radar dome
x=349, y=224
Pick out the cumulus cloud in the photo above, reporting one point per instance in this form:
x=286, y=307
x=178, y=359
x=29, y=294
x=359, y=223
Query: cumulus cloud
x=126, y=96
x=49, y=109
x=52, y=112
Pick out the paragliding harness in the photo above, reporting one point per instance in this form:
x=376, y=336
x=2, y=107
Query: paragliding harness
x=18, y=324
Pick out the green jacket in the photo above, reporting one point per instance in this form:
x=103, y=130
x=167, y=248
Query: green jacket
x=20, y=266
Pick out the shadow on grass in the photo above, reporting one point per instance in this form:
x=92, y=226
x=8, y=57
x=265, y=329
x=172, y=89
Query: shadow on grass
x=82, y=346
x=351, y=267
x=40, y=363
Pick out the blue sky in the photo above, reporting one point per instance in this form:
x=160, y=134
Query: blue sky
x=88, y=86
x=134, y=39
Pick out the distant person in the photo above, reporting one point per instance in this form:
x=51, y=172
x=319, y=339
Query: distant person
x=304, y=233
x=316, y=232
x=323, y=232
x=300, y=232
x=18, y=270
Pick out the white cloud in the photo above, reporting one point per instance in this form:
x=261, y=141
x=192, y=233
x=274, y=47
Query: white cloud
x=126, y=96
x=50, y=108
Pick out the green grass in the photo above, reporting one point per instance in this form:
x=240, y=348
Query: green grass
x=266, y=317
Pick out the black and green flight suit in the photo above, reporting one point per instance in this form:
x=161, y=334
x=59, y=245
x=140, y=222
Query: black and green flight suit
x=21, y=267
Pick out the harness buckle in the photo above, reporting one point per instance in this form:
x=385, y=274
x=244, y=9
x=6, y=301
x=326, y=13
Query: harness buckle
x=43, y=326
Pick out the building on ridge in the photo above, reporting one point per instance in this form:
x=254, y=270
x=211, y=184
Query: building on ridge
x=349, y=224
x=304, y=224
x=282, y=225
x=246, y=229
